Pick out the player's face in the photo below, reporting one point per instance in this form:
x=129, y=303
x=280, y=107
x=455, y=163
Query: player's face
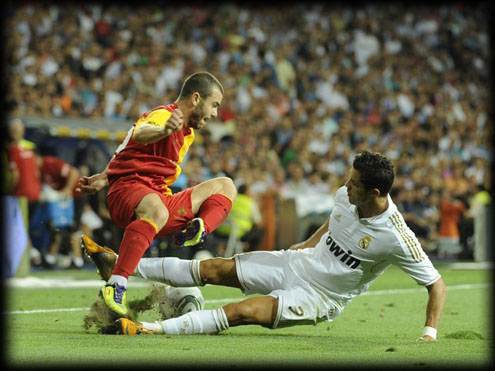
x=356, y=192
x=205, y=109
x=16, y=129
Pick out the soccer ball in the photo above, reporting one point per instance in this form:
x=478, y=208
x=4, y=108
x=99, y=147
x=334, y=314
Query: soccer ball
x=177, y=301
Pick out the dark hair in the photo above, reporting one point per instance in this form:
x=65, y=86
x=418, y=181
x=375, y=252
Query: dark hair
x=201, y=82
x=376, y=171
x=242, y=189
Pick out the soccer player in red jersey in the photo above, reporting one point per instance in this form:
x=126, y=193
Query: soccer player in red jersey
x=139, y=175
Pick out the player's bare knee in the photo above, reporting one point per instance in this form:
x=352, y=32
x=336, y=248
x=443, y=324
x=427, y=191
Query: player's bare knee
x=227, y=187
x=245, y=313
x=158, y=215
x=152, y=208
x=238, y=313
x=216, y=271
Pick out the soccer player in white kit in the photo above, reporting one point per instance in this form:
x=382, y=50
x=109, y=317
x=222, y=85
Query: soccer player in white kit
x=315, y=279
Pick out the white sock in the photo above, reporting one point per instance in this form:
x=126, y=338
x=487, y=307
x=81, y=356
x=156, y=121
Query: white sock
x=78, y=262
x=172, y=271
x=119, y=280
x=50, y=259
x=199, y=322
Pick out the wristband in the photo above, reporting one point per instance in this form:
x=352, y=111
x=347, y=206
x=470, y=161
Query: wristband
x=430, y=331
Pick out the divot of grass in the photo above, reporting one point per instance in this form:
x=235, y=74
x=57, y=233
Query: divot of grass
x=465, y=335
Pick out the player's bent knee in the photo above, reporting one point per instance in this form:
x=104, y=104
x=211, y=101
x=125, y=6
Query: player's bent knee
x=217, y=271
x=152, y=208
x=159, y=217
x=227, y=187
x=258, y=311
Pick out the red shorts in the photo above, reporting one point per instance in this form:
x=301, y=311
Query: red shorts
x=124, y=196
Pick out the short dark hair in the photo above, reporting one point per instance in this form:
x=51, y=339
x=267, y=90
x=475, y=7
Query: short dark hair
x=376, y=171
x=201, y=82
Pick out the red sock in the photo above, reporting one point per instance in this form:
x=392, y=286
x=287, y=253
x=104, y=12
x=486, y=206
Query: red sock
x=214, y=211
x=137, y=238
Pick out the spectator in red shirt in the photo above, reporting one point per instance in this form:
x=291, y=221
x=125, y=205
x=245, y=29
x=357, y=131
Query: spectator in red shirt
x=63, y=177
x=25, y=177
x=451, y=210
x=59, y=175
x=26, y=181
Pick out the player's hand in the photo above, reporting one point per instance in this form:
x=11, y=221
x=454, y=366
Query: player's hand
x=92, y=184
x=174, y=123
x=426, y=339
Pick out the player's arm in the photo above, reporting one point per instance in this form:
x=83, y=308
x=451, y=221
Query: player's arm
x=71, y=182
x=314, y=239
x=94, y=183
x=151, y=132
x=436, y=300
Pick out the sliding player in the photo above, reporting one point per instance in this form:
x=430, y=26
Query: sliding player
x=313, y=280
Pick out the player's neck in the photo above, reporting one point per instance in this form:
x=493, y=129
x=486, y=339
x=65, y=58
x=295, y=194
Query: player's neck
x=186, y=111
x=374, y=208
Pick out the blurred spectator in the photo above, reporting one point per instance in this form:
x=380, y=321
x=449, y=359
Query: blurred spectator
x=25, y=180
x=62, y=177
x=481, y=216
x=451, y=210
x=22, y=162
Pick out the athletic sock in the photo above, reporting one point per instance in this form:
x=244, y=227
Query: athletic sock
x=214, y=211
x=199, y=322
x=119, y=280
x=172, y=271
x=137, y=238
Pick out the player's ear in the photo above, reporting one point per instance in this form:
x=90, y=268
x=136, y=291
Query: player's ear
x=375, y=192
x=195, y=98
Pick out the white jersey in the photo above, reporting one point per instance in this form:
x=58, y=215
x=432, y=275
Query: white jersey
x=355, y=251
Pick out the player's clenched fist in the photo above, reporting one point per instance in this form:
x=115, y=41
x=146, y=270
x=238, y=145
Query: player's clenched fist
x=174, y=123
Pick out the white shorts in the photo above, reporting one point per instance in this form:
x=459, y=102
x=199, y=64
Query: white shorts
x=269, y=273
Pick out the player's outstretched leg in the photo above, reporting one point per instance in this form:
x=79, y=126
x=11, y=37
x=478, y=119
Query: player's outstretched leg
x=253, y=311
x=171, y=270
x=196, y=322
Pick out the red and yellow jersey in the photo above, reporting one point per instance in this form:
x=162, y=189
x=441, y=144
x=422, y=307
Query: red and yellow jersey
x=158, y=164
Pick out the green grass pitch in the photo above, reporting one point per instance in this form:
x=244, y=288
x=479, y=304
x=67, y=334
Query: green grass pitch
x=44, y=327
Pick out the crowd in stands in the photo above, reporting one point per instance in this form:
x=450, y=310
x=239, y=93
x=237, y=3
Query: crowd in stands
x=306, y=87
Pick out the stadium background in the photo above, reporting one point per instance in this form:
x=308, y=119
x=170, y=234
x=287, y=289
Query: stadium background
x=306, y=88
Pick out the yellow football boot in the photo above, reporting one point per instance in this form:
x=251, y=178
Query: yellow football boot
x=127, y=327
x=115, y=297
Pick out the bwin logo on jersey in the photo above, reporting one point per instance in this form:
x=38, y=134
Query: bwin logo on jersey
x=345, y=257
